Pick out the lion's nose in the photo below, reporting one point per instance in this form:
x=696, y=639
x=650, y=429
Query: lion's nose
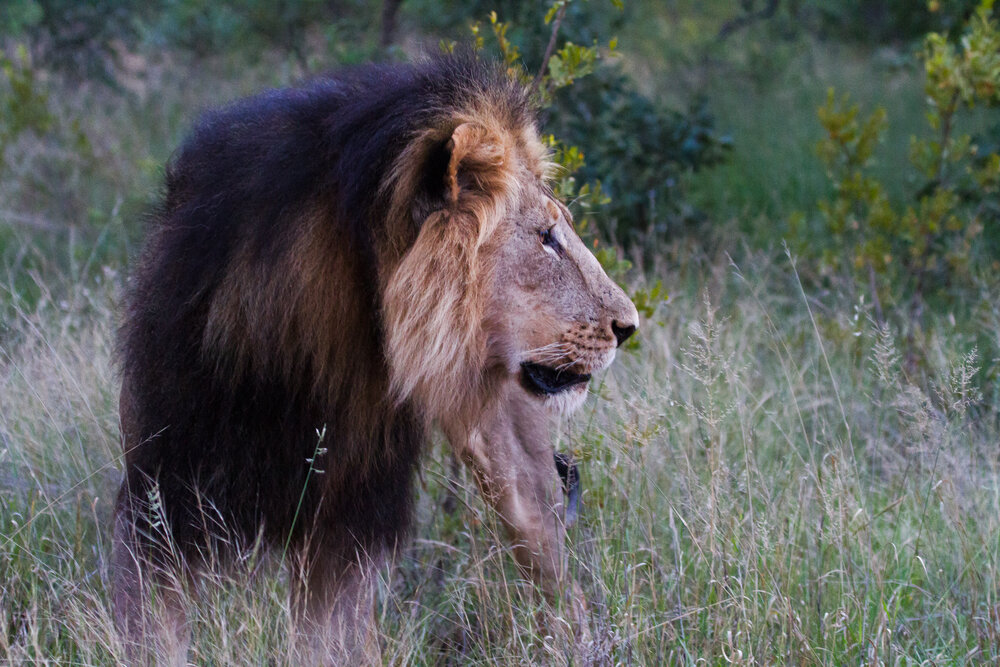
x=622, y=331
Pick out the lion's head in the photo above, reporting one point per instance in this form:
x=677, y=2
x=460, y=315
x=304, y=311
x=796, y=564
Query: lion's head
x=498, y=287
x=556, y=316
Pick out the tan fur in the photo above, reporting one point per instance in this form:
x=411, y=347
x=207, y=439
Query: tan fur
x=441, y=303
x=460, y=312
x=436, y=301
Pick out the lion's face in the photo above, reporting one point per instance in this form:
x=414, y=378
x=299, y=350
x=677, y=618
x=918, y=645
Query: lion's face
x=555, y=317
x=497, y=286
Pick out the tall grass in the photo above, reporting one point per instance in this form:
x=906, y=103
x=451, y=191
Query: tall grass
x=764, y=483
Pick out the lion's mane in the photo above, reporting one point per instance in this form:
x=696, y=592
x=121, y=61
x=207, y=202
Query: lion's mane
x=287, y=286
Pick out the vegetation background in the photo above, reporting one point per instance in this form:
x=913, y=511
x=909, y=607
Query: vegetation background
x=798, y=462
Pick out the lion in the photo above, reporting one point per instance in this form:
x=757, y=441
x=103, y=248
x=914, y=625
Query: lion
x=367, y=257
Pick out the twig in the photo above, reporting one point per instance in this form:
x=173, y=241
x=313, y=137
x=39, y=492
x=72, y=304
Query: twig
x=33, y=221
x=556, y=23
x=389, y=10
x=873, y=286
x=731, y=26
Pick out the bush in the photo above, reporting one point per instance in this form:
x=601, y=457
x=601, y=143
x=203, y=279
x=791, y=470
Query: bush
x=248, y=27
x=638, y=150
x=79, y=38
x=933, y=241
x=883, y=21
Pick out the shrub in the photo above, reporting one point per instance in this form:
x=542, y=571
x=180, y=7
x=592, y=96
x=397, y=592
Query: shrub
x=931, y=241
x=638, y=150
x=80, y=38
x=882, y=21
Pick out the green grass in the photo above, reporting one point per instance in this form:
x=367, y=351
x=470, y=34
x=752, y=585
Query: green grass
x=774, y=167
x=762, y=479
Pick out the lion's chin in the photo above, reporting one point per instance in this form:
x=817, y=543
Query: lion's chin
x=566, y=401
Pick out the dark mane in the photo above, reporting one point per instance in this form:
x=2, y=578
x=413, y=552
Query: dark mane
x=259, y=282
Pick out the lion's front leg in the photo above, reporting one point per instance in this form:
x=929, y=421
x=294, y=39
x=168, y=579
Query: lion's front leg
x=333, y=608
x=146, y=600
x=511, y=456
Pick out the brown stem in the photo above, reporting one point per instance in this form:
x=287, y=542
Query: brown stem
x=946, y=125
x=389, y=10
x=875, y=300
x=917, y=303
x=556, y=23
x=731, y=26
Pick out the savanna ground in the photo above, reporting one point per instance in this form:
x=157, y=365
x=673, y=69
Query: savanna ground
x=780, y=473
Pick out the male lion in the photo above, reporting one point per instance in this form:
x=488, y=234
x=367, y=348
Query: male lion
x=371, y=254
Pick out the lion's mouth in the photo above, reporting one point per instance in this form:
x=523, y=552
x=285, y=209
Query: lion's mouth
x=546, y=381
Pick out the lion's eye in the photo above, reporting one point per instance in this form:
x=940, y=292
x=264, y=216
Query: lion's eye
x=549, y=239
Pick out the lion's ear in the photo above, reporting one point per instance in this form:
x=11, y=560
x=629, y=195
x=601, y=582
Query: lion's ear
x=476, y=160
x=469, y=161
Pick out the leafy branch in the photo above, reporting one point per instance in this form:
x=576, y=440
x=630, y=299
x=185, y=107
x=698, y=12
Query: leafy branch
x=560, y=14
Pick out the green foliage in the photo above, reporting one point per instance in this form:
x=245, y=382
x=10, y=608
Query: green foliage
x=529, y=24
x=639, y=151
x=82, y=39
x=587, y=200
x=510, y=53
x=860, y=216
x=25, y=109
x=572, y=62
x=562, y=66
x=24, y=106
x=87, y=38
x=18, y=15
x=931, y=239
x=649, y=302
x=881, y=21
x=629, y=153
x=204, y=27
